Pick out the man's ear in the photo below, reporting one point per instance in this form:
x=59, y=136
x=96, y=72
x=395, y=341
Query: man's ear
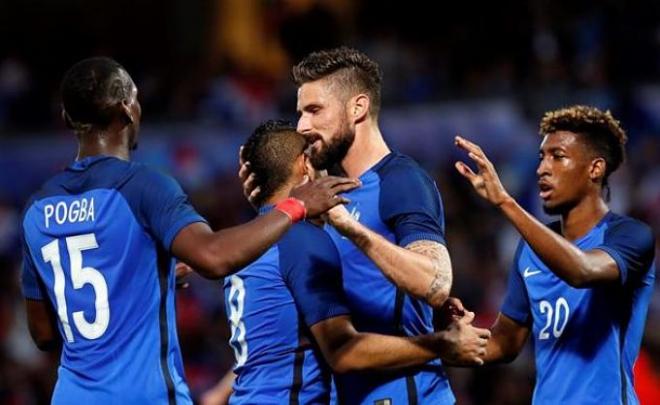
x=67, y=119
x=359, y=107
x=126, y=112
x=597, y=169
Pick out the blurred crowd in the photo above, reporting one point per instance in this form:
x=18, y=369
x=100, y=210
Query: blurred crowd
x=209, y=71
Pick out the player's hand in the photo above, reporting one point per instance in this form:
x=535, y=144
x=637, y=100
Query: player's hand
x=322, y=194
x=246, y=176
x=465, y=344
x=451, y=311
x=339, y=217
x=486, y=182
x=180, y=272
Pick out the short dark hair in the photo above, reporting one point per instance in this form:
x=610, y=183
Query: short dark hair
x=271, y=150
x=598, y=129
x=353, y=69
x=90, y=89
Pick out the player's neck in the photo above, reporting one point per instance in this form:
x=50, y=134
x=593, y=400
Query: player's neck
x=282, y=193
x=580, y=219
x=368, y=149
x=102, y=143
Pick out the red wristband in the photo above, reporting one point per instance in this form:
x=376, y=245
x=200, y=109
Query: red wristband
x=293, y=208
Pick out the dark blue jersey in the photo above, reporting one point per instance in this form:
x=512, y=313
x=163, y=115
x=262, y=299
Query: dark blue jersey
x=586, y=340
x=271, y=304
x=96, y=246
x=401, y=202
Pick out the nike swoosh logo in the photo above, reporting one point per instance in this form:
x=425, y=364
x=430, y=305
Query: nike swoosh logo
x=528, y=273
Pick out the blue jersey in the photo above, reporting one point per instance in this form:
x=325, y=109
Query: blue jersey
x=271, y=304
x=96, y=245
x=586, y=340
x=399, y=201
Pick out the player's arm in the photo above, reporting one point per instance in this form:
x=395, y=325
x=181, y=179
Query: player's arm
x=422, y=268
x=347, y=350
x=217, y=254
x=42, y=326
x=506, y=340
x=40, y=313
x=320, y=298
x=219, y=394
x=578, y=268
x=512, y=326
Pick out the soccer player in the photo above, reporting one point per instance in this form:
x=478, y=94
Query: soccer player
x=288, y=311
x=581, y=286
x=396, y=267
x=99, y=241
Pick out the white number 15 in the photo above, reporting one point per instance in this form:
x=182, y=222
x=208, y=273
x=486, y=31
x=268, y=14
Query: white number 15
x=79, y=276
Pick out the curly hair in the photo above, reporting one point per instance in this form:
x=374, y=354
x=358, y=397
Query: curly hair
x=91, y=89
x=602, y=133
x=351, y=69
x=271, y=150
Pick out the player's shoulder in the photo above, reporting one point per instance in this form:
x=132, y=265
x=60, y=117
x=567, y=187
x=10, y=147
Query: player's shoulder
x=49, y=188
x=305, y=236
x=522, y=249
x=402, y=177
x=630, y=228
x=148, y=184
x=146, y=175
x=399, y=167
x=306, y=241
x=613, y=219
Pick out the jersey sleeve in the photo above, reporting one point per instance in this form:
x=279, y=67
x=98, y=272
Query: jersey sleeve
x=311, y=268
x=516, y=301
x=165, y=207
x=30, y=284
x=631, y=244
x=410, y=204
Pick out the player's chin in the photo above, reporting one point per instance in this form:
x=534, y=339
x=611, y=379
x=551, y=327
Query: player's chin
x=551, y=207
x=320, y=160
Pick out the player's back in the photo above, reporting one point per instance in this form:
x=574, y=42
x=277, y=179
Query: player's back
x=97, y=252
x=270, y=305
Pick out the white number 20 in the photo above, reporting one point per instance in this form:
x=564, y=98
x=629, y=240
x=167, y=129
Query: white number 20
x=561, y=311
x=79, y=276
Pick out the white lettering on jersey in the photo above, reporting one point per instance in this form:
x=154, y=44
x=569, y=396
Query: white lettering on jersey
x=81, y=210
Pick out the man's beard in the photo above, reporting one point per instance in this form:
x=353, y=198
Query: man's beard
x=331, y=154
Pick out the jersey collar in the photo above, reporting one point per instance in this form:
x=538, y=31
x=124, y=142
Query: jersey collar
x=85, y=163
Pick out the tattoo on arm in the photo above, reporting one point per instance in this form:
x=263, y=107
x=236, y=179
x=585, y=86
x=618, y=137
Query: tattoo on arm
x=439, y=257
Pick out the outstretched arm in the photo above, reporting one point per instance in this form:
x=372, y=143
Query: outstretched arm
x=576, y=267
x=347, y=350
x=218, y=254
x=506, y=341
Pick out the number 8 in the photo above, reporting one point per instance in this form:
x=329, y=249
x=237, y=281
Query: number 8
x=236, y=301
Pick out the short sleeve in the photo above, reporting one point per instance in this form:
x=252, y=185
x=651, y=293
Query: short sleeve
x=631, y=244
x=516, y=301
x=410, y=203
x=165, y=207
x=311, y=268
x=30, y=282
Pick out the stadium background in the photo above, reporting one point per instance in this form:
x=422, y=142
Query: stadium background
x=210, y=70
